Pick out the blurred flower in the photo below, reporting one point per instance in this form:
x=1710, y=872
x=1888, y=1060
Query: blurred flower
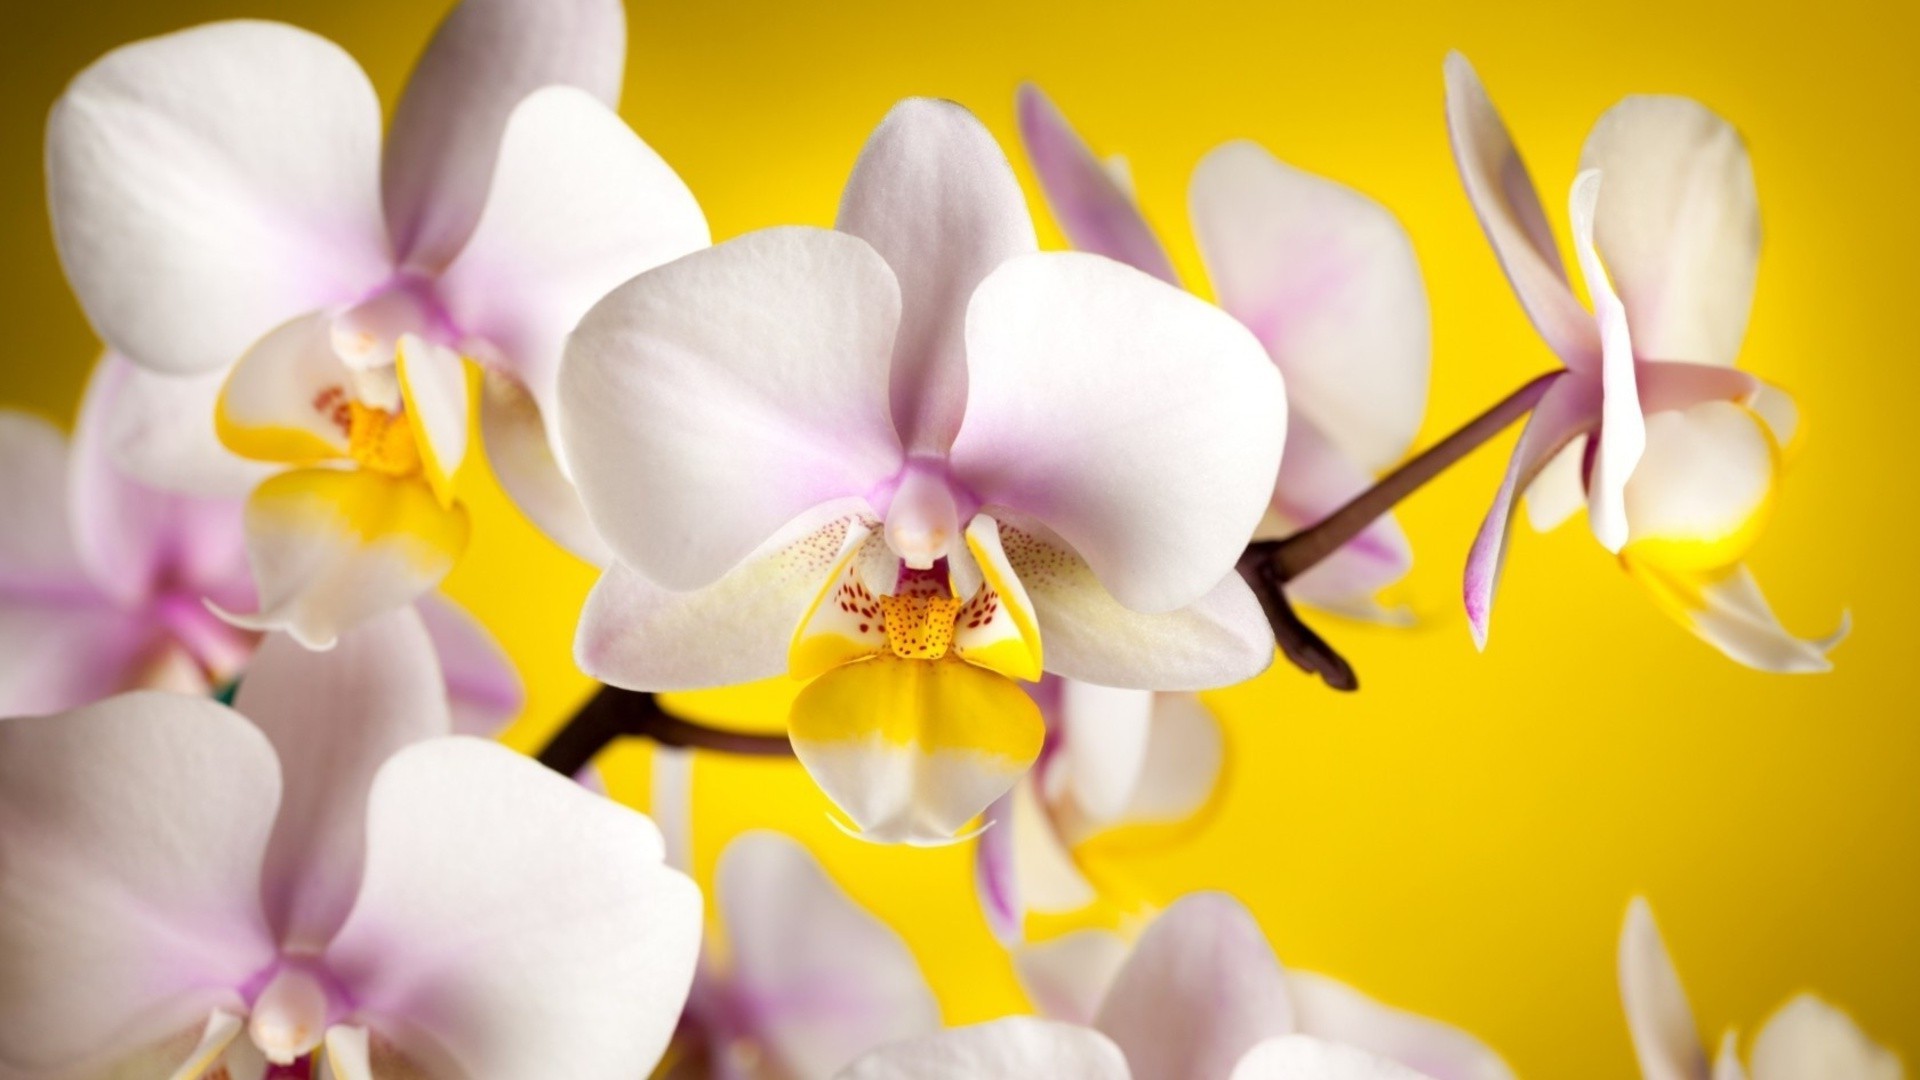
x=894, y=458
x=1326, y=279
x=104, y=583
x=1200, y=997
x=190, y=893
x=1112, y=758
x=227, y=217
x=1807, y=1039
x=808, y=982
x=1677, y=452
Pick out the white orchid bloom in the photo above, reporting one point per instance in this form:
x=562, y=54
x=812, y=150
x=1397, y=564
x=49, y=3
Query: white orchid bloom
x=231, y=224
x=1112, y=758
x=1807, y=1039
x=104, y=582
x=1674, y=453
x=324, y=883
x=1326, y=278
x=898, y=458
x=808, y=981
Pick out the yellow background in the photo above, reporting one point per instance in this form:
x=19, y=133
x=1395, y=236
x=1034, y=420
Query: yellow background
x=1462, y=835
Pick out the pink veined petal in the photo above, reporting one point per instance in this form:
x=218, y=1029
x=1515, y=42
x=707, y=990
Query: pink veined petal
x=133, y=833
x=511, y=923
x=210, y=184
x=706, y=404
x=1066, y=977
x=1098, y=395
x=486, y=57
x=158, y=431
x=1809, y=1037
x=1326, y=278
x=66, y=651
x=1329, y=1009
x=339, y=715
x=1093, y=209
x=484, y=691
x=934, y=195
x=1570, y=408
x=1302, y=1057
x=1201, y=989
x=821, y=981
x=1664, y=1036
x=1317, y=478
x=1014, y=1048
x=579, y=205
x=1680, y=228
x=522, y=456
x=38, y=554
x=1503, y=196
x=1623, y=432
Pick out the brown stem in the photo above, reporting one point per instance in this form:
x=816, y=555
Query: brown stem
x=613, y=713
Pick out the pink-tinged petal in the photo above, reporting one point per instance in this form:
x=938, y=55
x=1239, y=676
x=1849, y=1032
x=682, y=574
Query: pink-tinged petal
x=1317, y=478
x=332, y=548
x=1094, y=209
x=1185, y=751
x=208, y=185
x=190, y=1053
x=1066, y=977
x=1809, y=1038
x=1201, y=989
x=486, y=57
x=522, y=456
x=1015, y=1048
x=511, y=923
x=1503, y=196
x=340, y=715
x=1623, y=435
x=1331, y=1010
x=1220, y=639
x=1726, y=1066
x=640, y=636
x=934, y=194
x=1327, y=280
x=1559, y=491
x=133, y=833
x=995, y=879
x=1302, y=1057
x=1098, y=395
x=38, y=554
x=706, y=404
x=64, y=652
x=1726, y=609
x=1658, y=1017
x=822, y=980
x=1570, y=408
x=1102, y=749
x=1680, y=227
x=483, y=689
x=579, y=205
x=158, y=430
x=348, y=1053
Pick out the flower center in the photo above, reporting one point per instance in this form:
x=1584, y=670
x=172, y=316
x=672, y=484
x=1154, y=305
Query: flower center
x=919, y=627
x=381, y=440
x=290, y=1016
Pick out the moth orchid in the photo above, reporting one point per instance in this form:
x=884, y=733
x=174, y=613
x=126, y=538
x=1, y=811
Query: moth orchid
x=899, y=458
x=1806, y=1039
x=1112, y=758
x=324, y=880
x=808, y=982
x=1326, y=279
x=104, y=583
x=229, y=220
x=1677, y=452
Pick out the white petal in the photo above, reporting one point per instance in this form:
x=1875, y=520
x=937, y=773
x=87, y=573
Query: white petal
x=1102, y=748
x=1680, y=227
x=1300, y=1057
x=483, y=60
x=1185, y=750
x=1558, y=492
x=1328, y=1009
x=1727, y=1065
x=159, y=431
x=1327, y=280
x=339, y=715
x=511, y=923
x=133, y=833
x=1068, y=976
x=348, y=1053
x=706, y=404
x=934, y=195
x=37, y=548
x=433, y=383
x=1016, y=1048
x=1098, y=395
x=1809, y=1038
x=522, y=456
x=484, y=691
x=1622, y=437
x=208, y=185
x=1048, y=879
x=1707, y=472
x=1664, y=1036
x=1201, y=989
x=1094, y=206
x=1727, y=610
x=835, y=981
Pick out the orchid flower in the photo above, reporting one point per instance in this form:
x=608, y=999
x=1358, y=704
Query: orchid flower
x=809, y=980
x=1807, y=1039
x=897, y=458
x=1677, y=452
x=1326, y=279
x=229, y=220
x=1112, y=758
x=104, y=583
x=324, y=877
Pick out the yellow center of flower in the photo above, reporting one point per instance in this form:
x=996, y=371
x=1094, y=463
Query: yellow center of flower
x=381, y=441
x=919, y=627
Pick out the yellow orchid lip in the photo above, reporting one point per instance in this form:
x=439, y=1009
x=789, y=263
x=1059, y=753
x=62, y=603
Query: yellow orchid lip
x=382, y=441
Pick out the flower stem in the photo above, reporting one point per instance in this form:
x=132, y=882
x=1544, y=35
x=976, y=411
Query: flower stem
x=613, y=713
